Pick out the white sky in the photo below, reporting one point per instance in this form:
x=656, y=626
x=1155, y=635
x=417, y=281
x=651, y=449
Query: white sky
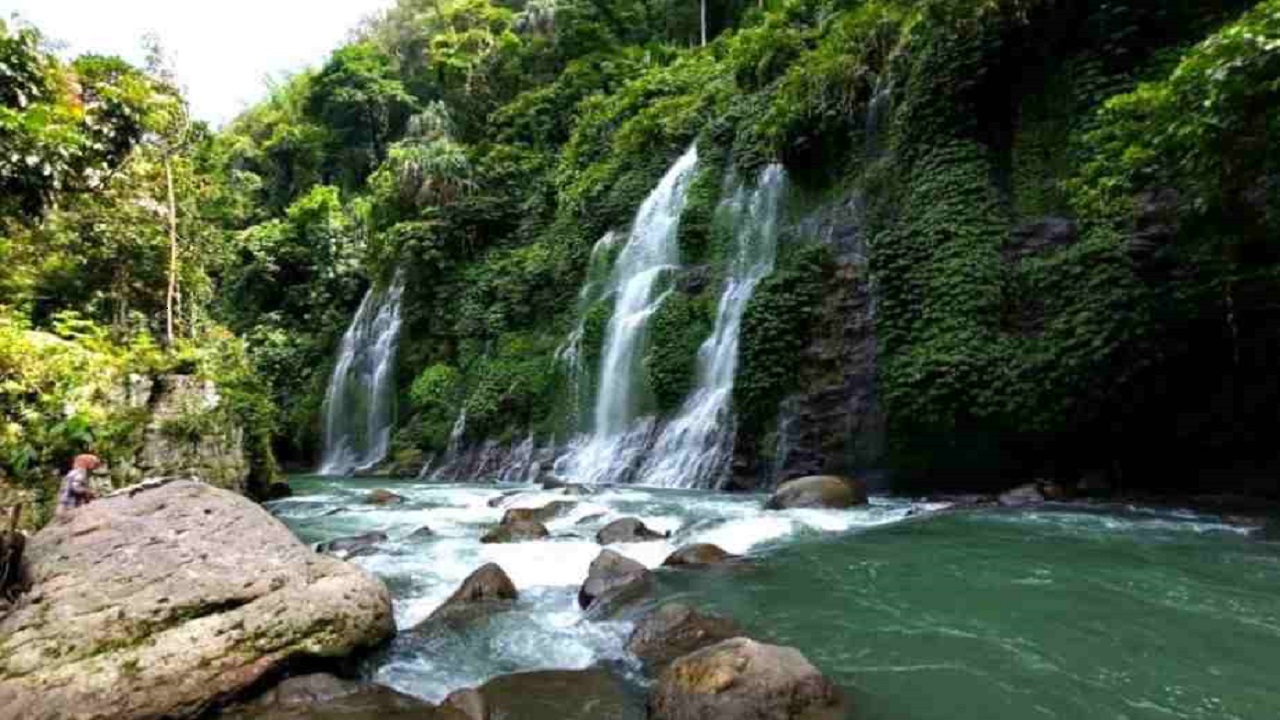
x=223, y=50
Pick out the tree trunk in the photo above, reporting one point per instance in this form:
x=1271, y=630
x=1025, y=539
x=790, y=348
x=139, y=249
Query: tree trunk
x=704, y=23
x=173, y=253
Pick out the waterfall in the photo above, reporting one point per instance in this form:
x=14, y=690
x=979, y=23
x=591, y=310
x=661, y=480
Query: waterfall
x=359, y=403
x=651, y=251
x=694, y=449
x=593, y=290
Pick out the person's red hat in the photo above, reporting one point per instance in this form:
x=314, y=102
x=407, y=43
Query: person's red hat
x=86, y=461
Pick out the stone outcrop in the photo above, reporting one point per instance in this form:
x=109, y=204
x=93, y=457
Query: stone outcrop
x=627, y=530
x=613, y=579
x=674, y=630
x=822, y=491
x=161, y=600
x=698, y=555
x=519, y=531
x=187, y=433
x=592, y=694
x=485, y=590
x=741, y=679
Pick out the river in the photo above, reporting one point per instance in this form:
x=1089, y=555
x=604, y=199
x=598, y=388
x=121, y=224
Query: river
x=918, y=613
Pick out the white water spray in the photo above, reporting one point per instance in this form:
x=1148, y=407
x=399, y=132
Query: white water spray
x=359, y=405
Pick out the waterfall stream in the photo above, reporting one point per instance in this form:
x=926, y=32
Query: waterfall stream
x=359, y=403
x=651, y=251
x=694, y=449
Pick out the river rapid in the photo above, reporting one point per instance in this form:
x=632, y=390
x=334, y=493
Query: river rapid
x=918, y=612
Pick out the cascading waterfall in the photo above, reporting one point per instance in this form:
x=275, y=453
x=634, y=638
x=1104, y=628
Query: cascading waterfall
x=593, y=290
x=360, y=401
x=695, y=448
x=651, y=252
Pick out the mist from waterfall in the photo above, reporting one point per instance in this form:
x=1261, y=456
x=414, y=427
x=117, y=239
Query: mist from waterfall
x=694, y=449
x=359, y=404
x=650, y=253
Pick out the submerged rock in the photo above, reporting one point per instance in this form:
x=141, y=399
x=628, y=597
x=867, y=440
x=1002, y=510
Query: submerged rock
x=674, y=630
x=325, y=697
x=741, y=679
x=421, y=533
x=819, y=491
x=383, y=496
x=698, y=554
x=612, y=580
x=485, y=590
x=592, y=694
x=550, y=511
x=354, y=546
x=1028, y=494
x=162, y=601
x=627, y=530
x=518, y=531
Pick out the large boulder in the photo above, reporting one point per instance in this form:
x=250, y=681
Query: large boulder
x=674, y=630
x=161, y=600
x=626, y=530
x=325, y=697
x=354, y=546
x=613, y=578
x=698, y=555
x=741, y=679
x=518, y=531
x=485, y=590
x=592, y=694
x=819, y=491
x=550, y=511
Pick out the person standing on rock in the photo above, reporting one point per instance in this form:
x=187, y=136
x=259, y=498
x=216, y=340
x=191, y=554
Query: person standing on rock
x=75, y=490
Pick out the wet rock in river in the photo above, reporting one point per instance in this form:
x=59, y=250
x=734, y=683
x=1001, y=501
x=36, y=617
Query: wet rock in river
x=675, y=630
x=325, y=697
x=421, y=533
x=1022, y=495
x=819, y=491
x=354, y=546
x=518, y=531
x=382, y=496
x=486, y=590
x=612, y=578
x=741, y=679
x=550, y=511
x=592, y=694
x=698, y=555
x=627, y=530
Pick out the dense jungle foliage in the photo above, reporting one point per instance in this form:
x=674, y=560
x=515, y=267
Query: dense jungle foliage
x=1069, y=210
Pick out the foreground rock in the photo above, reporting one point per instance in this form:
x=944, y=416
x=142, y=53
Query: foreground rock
x=698, y=555
x=354, y=546
x=518, y=531
x=674, y=630
x=741, y=679
x=819, y=491
x=325, y=697
x=627, y=530
x=612, y=581
x=485, y=590
x=159, y=601
x=550, y=511
x=593, y=694
x=383, y=497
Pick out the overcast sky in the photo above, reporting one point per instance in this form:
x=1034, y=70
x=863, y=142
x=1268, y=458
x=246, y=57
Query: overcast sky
x=223, y=49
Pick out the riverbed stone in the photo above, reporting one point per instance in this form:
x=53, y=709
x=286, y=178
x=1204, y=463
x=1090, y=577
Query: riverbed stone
x=486, y=590
x=741, y=679
x=676, y=629
x=819, y=491
x=346, y=548
x=612, y=579
x=382, y=496
x=422, y=533
x=321, y=696
x=698, y=555
x=519, y=531
x=162, y=600
x=591, y=694
x=550, y=511
x=627, y=530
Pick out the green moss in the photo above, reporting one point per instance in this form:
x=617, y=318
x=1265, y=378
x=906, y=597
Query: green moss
x=676, y=331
